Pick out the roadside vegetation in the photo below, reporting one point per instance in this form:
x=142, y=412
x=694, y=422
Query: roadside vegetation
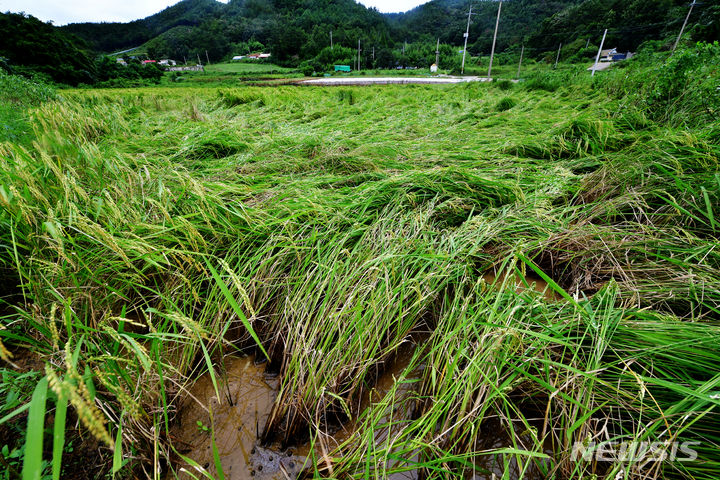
x=146, y=233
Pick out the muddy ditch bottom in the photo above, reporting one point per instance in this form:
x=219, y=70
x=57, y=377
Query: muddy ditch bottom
x=247, y=394
x=521, y=283
x=239, y=415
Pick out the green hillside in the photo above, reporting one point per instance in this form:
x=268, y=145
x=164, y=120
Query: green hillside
x=298, y=33
x=447, y=20
x=629, y=24
x=114, y=36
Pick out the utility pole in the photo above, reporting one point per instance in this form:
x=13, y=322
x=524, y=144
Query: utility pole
x=467, y=34
x=492, y=53
x=587, y=44
x=597, y=59
x=683, y=27
x=208, y=57
x=358, y=54
x=437, y=54
x=199, y=62
x=522, y=51
x=557, y=59
x=331, y=44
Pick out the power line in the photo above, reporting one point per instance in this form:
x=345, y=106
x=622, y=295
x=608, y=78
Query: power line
x=583, y=32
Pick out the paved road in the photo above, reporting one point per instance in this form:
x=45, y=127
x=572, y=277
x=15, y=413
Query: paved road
x=390, y=80
x=600, y=66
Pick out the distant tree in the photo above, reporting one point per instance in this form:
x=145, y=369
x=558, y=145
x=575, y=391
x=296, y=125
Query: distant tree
x=287, y=43
x=35, y=47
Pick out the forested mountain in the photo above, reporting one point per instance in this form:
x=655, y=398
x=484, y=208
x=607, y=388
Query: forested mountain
x=33, y=48
x=294, y=28
x=29, y=46
x=629, y=23
x=298, y=32
x=109, y=37
x=543, y=25
x=447, y=20
x=299, y=29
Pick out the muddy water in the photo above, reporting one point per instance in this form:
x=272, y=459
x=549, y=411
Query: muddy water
x=496, y=436
x=247, y=394
x=518, y=282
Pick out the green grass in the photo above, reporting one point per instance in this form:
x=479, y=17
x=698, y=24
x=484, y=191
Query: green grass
x=18, y=94
x=146, y=231
x=246, y=68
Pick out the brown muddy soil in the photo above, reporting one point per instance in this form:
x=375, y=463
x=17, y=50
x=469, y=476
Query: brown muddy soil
x=247, y=394
x=520, y=284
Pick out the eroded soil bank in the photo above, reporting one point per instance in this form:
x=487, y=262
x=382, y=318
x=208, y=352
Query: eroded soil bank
x=247, y=393
x=230, y=414
x=236, y=418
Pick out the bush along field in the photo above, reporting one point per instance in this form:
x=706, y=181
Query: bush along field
x=458, y=281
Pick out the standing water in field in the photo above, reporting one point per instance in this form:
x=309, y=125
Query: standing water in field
x=520, y=283
x=247, y=394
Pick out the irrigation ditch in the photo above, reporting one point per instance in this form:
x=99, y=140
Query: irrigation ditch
x=222, y=422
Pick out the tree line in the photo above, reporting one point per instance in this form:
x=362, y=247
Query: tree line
x=299, y=32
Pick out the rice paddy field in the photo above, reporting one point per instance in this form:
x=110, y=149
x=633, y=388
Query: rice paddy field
x=247, y=68
x=458, y=281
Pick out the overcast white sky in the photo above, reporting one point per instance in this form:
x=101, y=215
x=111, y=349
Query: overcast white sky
x=68, y=11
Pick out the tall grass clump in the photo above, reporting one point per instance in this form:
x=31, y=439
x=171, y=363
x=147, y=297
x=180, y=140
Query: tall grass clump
x=683, y=90
x=234, y=98
x=17, y=96
x=519, y=366
x=505, y=104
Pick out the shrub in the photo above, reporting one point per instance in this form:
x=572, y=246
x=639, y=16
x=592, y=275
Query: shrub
x=688, y=85
x=23, y=92
x=683, y=90
x=547, y=81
